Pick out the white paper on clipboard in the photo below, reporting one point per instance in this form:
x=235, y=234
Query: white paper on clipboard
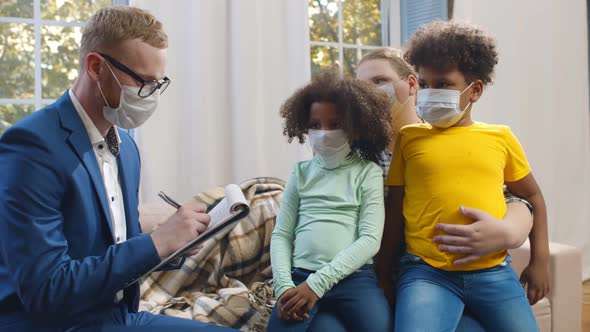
x=232, y=208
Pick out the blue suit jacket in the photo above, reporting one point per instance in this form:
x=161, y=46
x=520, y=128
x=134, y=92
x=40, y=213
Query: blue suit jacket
x=57, y=253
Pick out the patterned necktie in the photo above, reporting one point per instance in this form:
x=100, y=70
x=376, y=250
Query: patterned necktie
x=112, y=142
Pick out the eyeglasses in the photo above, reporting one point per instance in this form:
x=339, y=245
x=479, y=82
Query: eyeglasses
x=148, y=87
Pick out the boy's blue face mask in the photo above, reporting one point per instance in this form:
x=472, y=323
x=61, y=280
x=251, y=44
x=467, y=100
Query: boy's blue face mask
x=440, y=107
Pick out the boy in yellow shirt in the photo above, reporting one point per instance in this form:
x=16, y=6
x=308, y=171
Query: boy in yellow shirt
x=446, y=163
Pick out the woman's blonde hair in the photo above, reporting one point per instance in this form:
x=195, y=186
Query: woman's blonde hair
x=395, y=58
x=112, y=25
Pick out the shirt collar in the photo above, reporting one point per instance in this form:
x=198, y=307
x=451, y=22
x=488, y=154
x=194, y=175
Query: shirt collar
x=93, y=133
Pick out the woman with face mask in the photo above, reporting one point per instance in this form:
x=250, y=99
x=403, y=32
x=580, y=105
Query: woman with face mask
x=387, y=69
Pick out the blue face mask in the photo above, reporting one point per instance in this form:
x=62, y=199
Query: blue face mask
x=440, y=107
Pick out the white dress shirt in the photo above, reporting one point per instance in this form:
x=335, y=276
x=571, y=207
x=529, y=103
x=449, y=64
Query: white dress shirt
x=107, y=163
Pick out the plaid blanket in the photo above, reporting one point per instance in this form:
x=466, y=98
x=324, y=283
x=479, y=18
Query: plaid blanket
x=229, y=281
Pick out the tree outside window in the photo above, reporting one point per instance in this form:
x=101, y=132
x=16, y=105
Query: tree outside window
x=39, y=41
x=341, y=32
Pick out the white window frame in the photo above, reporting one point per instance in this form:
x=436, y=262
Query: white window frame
x=394, y=22
x=390, y=31
x=37, y=23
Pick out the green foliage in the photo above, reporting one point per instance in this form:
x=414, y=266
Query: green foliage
x=59, y=59
x=16, y=8
x=71, y=10
x=17, y=59
x=59, y=52
x=11, y=113
x=361, y=26
x=59, y=45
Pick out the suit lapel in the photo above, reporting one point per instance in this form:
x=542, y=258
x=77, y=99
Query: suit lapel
x=129, y=196
x=80, y=143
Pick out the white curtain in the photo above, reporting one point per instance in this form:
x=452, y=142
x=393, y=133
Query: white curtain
x=232, y=63
x=541, y=91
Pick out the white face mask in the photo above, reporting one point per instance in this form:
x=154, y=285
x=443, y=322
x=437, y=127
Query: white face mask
x=389, y=89
x=330, y=146
x=133, y=110
x=440, y=107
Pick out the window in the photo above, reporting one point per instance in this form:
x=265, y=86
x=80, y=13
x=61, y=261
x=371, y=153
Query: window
x=39, y=41
x=415, y=13
x=342, y=31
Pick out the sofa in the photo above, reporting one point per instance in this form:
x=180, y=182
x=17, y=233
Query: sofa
x=559, y=311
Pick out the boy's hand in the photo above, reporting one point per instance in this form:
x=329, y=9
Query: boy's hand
x=301, y=302
x=536, y=274
x=536, y=279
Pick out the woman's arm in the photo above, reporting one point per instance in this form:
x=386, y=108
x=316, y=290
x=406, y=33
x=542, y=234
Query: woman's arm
x=486, y=234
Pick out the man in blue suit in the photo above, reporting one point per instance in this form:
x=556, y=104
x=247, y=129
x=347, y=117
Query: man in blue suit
x=70, y=239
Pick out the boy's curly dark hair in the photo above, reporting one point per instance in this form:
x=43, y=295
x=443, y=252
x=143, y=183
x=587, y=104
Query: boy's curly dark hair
x=364, y=110
x=441, y=45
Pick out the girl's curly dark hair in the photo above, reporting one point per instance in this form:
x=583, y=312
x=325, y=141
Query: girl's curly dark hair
x=364, y=111
x=443, y=44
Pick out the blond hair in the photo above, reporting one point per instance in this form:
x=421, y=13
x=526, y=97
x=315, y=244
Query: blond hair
x=112, y=25
x=395, y=58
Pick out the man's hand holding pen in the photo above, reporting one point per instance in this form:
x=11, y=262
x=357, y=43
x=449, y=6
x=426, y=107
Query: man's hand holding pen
x=182, y=227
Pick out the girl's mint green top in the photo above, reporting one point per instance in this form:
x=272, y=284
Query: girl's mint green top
x=330, y=222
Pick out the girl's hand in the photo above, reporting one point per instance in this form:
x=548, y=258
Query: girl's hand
x=302, y=301
x=535, y=279
x=282, y=313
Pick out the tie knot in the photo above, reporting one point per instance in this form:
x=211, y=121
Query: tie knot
x=113, y=142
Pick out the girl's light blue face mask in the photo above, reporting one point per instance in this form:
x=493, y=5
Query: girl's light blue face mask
x=440, y=107
x=330, y=146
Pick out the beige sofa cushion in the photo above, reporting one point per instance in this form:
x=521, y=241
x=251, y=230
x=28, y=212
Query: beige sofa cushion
x=542, y=312
x=565, y=282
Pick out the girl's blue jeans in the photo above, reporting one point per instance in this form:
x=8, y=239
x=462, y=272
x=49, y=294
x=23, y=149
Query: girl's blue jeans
x=356, y=303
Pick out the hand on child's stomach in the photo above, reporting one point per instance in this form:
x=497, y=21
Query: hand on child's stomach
x=484, y=236
x=301, y=302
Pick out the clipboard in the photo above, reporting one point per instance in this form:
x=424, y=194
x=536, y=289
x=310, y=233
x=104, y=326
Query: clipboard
x=231, y=209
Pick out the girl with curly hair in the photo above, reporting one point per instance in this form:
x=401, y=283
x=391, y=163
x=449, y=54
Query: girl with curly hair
x=332, y=214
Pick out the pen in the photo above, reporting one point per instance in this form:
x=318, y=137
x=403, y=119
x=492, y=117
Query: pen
x=169, y=200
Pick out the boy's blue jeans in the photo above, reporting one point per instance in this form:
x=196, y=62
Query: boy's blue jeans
x=356, y=303
x=430, y=299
